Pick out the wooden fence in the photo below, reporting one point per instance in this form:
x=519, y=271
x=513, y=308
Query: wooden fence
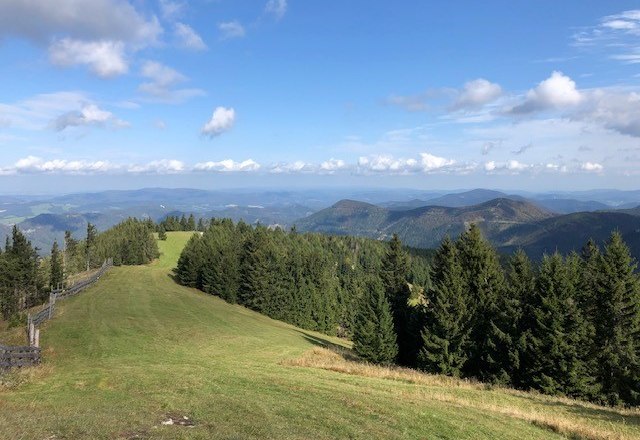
x=12, y=356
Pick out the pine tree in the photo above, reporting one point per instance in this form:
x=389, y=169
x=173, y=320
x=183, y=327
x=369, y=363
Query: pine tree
x=191, y=223
x=374, y=338
x=617, y=324
x=446, y=333
x=555, y=357
x=162, y=234
x=484, y=283
x=56, y=272
x=394, y=273
x=201, y=226
x=517, y=312
x=90, y=241
x=184, y=225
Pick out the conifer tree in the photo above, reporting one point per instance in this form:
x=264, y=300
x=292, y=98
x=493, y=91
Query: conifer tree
x=374, y=338
x=89, y=243
x=555, y=358
x=162, y=234
x=617, y=325
x=484, y=283
x=191, y=223
x=517, y=312
x=446, y=333
x=394, y=273
x=184, y=225
x=56, y=272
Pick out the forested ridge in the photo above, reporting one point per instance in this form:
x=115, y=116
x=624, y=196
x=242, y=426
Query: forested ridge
x=26, y=279
x=569, y=325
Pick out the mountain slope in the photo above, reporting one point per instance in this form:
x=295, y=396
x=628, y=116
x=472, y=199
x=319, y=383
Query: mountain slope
x=421, y=227
x=136, y=349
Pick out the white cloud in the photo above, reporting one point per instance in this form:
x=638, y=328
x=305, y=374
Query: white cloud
x=332, y=165
x=227, y=165
x=277, y=8
x=33, y=165
x=384, y=163
x=293, y=167
x=115, y=20
x=90, y=114
x=172, y=10
x=510, y=166
x=163, y=166
x=162, y=82
x=222, y=120
x=231, y=29
x=477, y=93
x=616, y=37
x=104, y=58
x=556, y=92
x=188, y=37
x=592, y=167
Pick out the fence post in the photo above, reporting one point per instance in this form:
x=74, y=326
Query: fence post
x=32, y=331
x=50, y=303
x=36, y=338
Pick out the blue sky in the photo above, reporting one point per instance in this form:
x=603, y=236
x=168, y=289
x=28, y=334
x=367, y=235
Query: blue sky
x=219, y=93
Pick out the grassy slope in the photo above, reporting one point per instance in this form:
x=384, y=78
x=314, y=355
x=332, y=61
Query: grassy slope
x=136, y=347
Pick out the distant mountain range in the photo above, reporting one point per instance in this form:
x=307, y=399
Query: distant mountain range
x=538, y=222
x=507, y=223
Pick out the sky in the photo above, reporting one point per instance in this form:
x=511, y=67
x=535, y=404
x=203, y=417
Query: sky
x=113, y=94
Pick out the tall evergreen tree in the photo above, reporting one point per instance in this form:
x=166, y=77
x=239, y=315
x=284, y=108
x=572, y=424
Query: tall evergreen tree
x=394, y=273
x=484, y=283
x=89, y=244
x=446, y=333
x=191, y=223
x=617, y=324
x=56, y=271
x=374, y=338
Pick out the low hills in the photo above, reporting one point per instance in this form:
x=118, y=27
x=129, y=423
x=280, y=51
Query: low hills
x=507, y=223
x=136, y=350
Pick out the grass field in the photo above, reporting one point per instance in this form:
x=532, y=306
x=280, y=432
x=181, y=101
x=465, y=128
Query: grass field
x=137, y=349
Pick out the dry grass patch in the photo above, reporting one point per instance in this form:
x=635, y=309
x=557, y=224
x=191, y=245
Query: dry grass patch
x=485, y=398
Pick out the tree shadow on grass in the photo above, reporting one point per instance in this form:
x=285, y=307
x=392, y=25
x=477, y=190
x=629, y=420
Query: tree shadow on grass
x=319, y=341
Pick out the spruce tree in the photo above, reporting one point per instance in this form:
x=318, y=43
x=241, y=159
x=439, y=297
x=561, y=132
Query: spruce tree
x=446, y=333
x=394, y=273
x=617, y=325
x=484, y=284
x=374, y=338
x=57, y=271
x=162, y=234
x=191, y=223
x=556, y=356
x=90, y=242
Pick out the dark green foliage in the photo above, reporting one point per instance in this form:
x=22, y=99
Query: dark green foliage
x=56, y=271
x=374, y=338
x=617, y=324
x=394, y=274
x=446, y=332
x=89, y=245
x=130, y=242
x=484, y=284
x=162, y=234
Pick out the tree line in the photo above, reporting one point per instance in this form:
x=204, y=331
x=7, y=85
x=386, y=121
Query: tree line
x=568, y=325
x=26, y=278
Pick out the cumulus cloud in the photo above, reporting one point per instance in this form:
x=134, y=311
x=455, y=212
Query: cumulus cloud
x=231, y=29
x=556, y=92
x=332, y=165
x=592, y=167
x=384, y=163
x=511, y=166
x=163, y=166
x=222, y=120
x=104, y=58
x=188, y=37
x=277, y=8
x=476, y=93
x=33, y=164
x=227, y=165
x=298, y=166
x=94, y=33
x=90, y=114
x=161, y=83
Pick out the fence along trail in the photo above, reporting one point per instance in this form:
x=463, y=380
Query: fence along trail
x=24, y=356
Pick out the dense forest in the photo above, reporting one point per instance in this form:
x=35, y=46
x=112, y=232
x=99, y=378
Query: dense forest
x=569, y=325
x=26, y=279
